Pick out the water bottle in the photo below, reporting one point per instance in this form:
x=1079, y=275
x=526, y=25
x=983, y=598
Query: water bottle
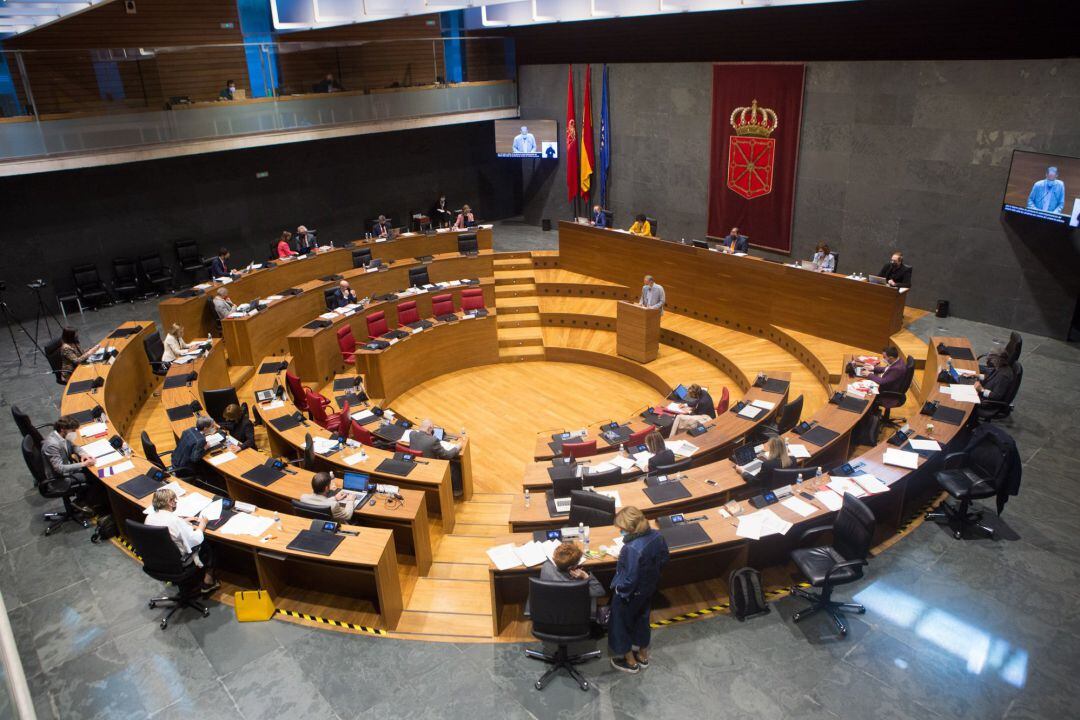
x=463, y=433
x=585, y=538
x=277, y=520
x=528, y=499
x=818, y=473
x=798, y=479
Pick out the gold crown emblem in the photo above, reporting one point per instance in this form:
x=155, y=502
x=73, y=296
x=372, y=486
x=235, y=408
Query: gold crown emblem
x=760, y=122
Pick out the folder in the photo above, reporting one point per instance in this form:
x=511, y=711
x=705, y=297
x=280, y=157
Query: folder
x=345, y=383
x=684, y=535
x=180, y=412
x=772, y=385
x=175, y=381
x=83, y=416
x=958, y=353
x=125, y=332
x=667, y=492
x=820, y=435
x=316, y=543
x=852, y=404
x=272, y=367
x=395, y=467
x=287, y=422
x=79, y=387
x=263, y=474
x=139, y=486
x=952, y=416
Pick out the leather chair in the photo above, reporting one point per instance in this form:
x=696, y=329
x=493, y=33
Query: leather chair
x=297, y=391
x=162, y=561
x=472, y=299
x=418, y=277
x=990, y=410
x=156, y=275
x=724, y=402
x=189, y=259
x=467, y=244
x=52, y=355
x=789, y=418
x=638, y=438
x=970, y=475
x=560, y=616
x=398, y=447
x=361, y=434
x=329, y=300
x=889, y=400
x=836, y=261
x=52, y=489
x=312, y=512
x=88, y=286
x=1012, y=350
x=155, y=349
x=790, y=476
x=442, y=305
x=317, y=410
x=654, y=226
x=600, y=479
x=579, y=449
x=361, y=257
x=671, y=469
x=150, y=452
x=376, y=324
x=592, y=509
x=407, y=313
x=827, y=566
x=26, y=427
x=125, y=279
x=346, y=344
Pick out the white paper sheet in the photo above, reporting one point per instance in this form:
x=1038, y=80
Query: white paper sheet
x=623, y=463
x=797, y=451
x=322, y=445
x=531, y=554
x=751, y=526
x=917, y=444
x=843, y=485
x=901, y=458
x=829, y=499
x=964, y=393
x=773, y=524
x=870, y=484
x=676, y=407
x=192, y=504
x=603, y=467
x=750, y=412
x=362, y=415
x=244, y=524
x=681, y=447
x=763, y=404
x=504, y=556
x=97, y=449
x=120, y=467
x=212, y=511
x=92, y=429
x=222, y=458
x=175, y=487
x=108, y=459
x=798, y=506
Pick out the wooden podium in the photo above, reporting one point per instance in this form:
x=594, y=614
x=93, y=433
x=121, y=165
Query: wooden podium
x=637, y=330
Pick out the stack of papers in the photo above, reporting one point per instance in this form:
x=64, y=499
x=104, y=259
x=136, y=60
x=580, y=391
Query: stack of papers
x=329, y=315
x=798, y=506
x=355, y=458
x=183, y=359
x=97, y=449
x=917, y=444
x=962, y=393
x=222, y=458
x=624, y=463
x=870, y=484
x=797, y=451
x=841, y=485
x=93, y=429
x=192, y=504
x=212, y=511
x=901, y=458
x=603, y=467
x=532, y=553
x=244, y=524
x=503, y=556
x=116, y=469
x=676, y=407
x=681, y=447
x=829, y=499
x=750, y=412
x=763, y=404
x=323, y=446
x=362, y=415
x=760, y=524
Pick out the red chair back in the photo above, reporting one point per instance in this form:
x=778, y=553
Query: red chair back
x=442, y=304
x=406, y=449
x=579, y=450
x=725, y=400
x=407, y=313
x=344, y=421
x=317, y=409
x=472, y=299
x=297, y=391
x=362, y=435
x=639, y=437
x=376, y=324
x=346, y=343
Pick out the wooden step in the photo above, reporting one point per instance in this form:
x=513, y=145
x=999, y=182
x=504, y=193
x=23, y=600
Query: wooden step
x=520, y=290
x=522, y=319
x=512, y=337
x=514, y=277
x=527, y=353
x=517, y=254
x=512, y=264
x=240, y=374
x=450, y=596
x=511, y=305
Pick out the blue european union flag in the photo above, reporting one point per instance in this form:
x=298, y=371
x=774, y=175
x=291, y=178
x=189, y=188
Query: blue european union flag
x=605, y=142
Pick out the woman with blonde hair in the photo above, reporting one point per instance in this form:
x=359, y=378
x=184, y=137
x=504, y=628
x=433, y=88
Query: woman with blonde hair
x=775, y=456
x=637, y=574
x=174, y=343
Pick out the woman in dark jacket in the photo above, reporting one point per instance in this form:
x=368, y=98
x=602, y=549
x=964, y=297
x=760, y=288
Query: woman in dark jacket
x=235, y=422
x=643, y=555
x=661, y=455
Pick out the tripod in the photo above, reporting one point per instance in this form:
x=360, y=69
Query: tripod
x=10, y=319
x=43, y=315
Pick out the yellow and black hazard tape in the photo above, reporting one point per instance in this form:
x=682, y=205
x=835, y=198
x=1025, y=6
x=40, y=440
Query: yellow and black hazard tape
x=770, y=595
x=332, y=623
x=124, y=544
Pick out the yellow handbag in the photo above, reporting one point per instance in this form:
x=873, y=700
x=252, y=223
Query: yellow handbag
x=253, y=606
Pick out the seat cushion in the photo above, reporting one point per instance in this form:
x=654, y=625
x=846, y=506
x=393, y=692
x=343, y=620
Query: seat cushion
x=815, y=562
x=964, y=484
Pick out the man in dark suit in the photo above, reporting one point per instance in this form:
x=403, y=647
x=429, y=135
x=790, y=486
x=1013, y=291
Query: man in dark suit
x=192, y=445
x=999, y=379
x=422, y=438
x=382, y=227
x=890, y=375
x=599, y=219
x=304, y=241
x=344, y=295
x=735, y=243
x=219, y=265
x=328, y=85
x=895, y=272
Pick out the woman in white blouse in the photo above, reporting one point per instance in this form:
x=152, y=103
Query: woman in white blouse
x=186, y=534
x=824, y=260
x=174, y=344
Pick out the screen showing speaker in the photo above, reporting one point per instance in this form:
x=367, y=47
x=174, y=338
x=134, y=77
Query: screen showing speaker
x=527, y=139
x=1044, y=186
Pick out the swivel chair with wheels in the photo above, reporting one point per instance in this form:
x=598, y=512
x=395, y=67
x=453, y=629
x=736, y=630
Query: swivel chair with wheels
x=889, y=400
x=973, y=474
x=50, y=489
x=26, y=426
x=842, y=562
x=560, y=615
x=162, y=561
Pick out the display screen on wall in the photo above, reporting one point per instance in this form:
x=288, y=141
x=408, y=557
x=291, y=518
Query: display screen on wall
x=527, y=139
x=1044, y=186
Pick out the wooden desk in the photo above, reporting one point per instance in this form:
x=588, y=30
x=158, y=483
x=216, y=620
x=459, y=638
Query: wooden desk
x=412, y=244
x=750, y=291
x=638, y=332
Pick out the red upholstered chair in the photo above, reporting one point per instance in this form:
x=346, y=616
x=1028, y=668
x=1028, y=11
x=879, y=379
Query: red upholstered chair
x=579, y=450
x=344, y=422
x=407, y=313
x=472, y=299
x=318, y=413
x=638, y=438
x=362, y=435
x=376, y=324
x=347, y=344
x=297, y=391
x=406, y=449
x=442, y=304
x=725, y=400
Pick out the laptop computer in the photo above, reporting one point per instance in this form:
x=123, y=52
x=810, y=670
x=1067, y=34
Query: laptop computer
x=267, y=395
x=679, y=393
x=438, y=433
x=877, y=280
x=807, y=265
x=360, y=485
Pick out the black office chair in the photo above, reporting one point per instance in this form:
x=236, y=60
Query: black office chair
x=836, y=261
x=51, y=489
x=467, y=244
x=600, y=479
x=1012, y=350
x=790, y=476
x=189, y=259
x=592, y=509
x=842, y=562
x=150, y=452
x=609, y=216
x=328, y=298
x=990, y=410
x=787, y=419
x=418, y=276
x=654, y=226
x=217, y=400
x=156, y=275
x=89, y=287
x=52, y=355
x=361, y=257
x=887, y=400
x=162, y=561
x=307, y=457
x=312, y=512
x=972, y=474
x=26, y=426
x=155, y=349
x=560, y=615
x=125, y=279
x=671, y=469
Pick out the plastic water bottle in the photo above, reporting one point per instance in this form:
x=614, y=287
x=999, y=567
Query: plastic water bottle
x=818, y=473
x=277, y=520
x=528, y=498
x=798, y=479
x=583, y=531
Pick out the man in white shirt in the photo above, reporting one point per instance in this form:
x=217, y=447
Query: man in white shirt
x=652, y=295
x=525, y=142
x=186, y=534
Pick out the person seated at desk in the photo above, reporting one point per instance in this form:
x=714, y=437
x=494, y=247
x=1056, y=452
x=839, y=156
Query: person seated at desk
x=219, y=265
x=223, y=306
x=229, y=93
x=641, y=226
x=895, y=272
x=186, y=534
x=823, y=259
x=999, y=378
x=775, y=456
x=382, y=227
x=328, y=85
x=652, y=295
x=699, y=408
x=284, y=251
x=563, y=567
x=71, y=352
x=305, y=241
x=661, y=453
x=733, y=242
x=422, y=438
x=888, y=376
x=599, y=219
x=192, y=445
x=344, y=295
x=174, y=344
x=440, y=213
x=340, y=503
x=465, y=218
x=236, y=422
x=64, y=461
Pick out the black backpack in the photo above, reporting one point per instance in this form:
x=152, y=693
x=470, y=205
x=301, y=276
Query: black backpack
x=747, y=598
x=867, y=430
x=106, y=529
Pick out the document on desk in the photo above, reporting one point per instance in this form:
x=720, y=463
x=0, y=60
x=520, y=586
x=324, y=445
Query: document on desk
x=97, y=449
x=273, y=405
x=681, y=447
x=751, y=526
x=773, y=524
x=603, y=467
x=531, y=553
x=624, y=463
x=355, y=458
x=841, y=485
x=192, y=504
x=918, y=444
x=504, y=556
x=797, y=451
x=93, y=429
x=870, y=484
x=963, y=393
x=676, y=407
x=901, y=458
x=176, y=488
x=750, y=412
x=614, y=495
x=116, y=469
x=323, y=446
x=798, y=506
x=108, y=459
x=212, y=511
x=245, y=524
x=183, y=359
x=362, y=415
x=221, y=459
x=763, y=404
x=829, y=499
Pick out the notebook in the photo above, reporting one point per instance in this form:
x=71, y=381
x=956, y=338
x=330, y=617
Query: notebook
x=684, y=535
x=263, y=474
x=667, y=492
x=819, y=435
x=316, y=543
x=139, y=486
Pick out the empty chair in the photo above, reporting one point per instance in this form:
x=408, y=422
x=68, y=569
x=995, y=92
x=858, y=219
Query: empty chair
x=888, y=400
x=88, y=286
x=789, y=476
x=675, y=467
x=418, y=277
x=61, y=488
x=156, y=275
x=189, y=259
x=317, y=410
x=376, y=324
x=297, y=391
x=162, y=561
x=155, y=348
x=607, y=477
x=977, y=472
x=467, y=244
x=472, y=299
x=442, y=305
x=830, y=565
x=52, y=355
x=407, y=313
x=346, y=344
x=560, y=614
x=579, y=449
x=26, y=426
x=361, y=257
x=125, y=279
x=592, y=509
x=362, y=435
x=638, y=438
x=789, y=418
x=723, y=402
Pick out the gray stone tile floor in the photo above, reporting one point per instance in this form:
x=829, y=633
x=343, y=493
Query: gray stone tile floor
x=954, y=629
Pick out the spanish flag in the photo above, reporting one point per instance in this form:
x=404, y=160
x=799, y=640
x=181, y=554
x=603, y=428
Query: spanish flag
x=586, y=136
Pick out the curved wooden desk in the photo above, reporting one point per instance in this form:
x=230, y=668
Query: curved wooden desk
x=412, y=244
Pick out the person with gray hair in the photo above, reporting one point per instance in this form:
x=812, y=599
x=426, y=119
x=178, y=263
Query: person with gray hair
x=422, y=438
x=1048, y=195
x=223, y=306
x=193, y=444
x=652, y=295
x=186, y=534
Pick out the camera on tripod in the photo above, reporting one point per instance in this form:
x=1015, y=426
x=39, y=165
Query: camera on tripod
x=36, y=284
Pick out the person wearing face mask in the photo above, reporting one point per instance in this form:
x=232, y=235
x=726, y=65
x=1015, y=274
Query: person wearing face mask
x=895, y=272
x=305, y=240
x=637, y=574
x=229, y=93
x=441, y=215
x=64, y=461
